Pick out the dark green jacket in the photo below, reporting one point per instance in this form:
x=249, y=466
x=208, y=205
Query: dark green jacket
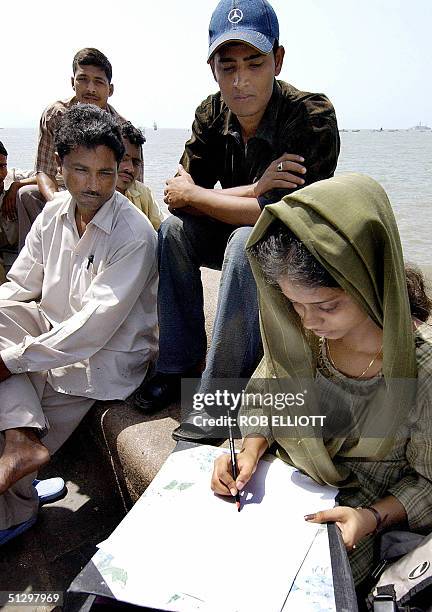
x=294, y=122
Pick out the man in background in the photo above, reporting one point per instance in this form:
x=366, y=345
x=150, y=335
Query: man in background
x=261, y=139
x=91, y=82
x=130, y=169
x=11, y=180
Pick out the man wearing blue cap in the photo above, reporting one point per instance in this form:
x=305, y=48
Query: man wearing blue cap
x=260, y=139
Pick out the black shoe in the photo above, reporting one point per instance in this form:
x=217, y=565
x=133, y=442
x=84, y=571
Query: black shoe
x=161, y=390
x=191, y=433
x=158, y=392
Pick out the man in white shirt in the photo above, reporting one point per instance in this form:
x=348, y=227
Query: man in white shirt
x=78, y=318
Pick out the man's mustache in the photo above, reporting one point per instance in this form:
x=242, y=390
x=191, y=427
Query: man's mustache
x=91, y=193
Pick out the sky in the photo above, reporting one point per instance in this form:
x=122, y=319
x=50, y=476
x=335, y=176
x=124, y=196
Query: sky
x=371, y=58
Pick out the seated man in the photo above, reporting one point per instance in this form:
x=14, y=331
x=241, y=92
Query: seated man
x=78, y=318
x=91, y=82
x=10, y=181
x=130, y=169
x=261, y=139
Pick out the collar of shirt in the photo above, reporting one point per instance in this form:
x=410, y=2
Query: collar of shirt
x=132, y=191
x=103, y=219
x=267, y=127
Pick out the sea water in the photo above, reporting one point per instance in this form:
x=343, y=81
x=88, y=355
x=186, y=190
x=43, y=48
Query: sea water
x=400, y=160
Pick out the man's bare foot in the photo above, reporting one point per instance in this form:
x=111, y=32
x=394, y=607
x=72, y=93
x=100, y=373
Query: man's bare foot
x=23, y=454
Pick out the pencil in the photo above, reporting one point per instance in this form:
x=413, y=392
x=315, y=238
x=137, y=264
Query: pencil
x=233, y=459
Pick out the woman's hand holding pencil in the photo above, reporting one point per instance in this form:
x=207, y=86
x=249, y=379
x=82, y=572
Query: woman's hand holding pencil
x=223, y=482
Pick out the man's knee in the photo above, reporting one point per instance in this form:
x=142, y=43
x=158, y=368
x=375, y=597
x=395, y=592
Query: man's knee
x=180, y=232
x=171, y=227
x=236, y=247
x=29, y=197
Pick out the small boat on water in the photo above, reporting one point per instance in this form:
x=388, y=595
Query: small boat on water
x=155, y=127
x=420, y=128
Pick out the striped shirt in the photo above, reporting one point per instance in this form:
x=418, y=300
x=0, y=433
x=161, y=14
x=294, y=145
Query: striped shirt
x=294, y=121
x=48, y=125
x=406, y=473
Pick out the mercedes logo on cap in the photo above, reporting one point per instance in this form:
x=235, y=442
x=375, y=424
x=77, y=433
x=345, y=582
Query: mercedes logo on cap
x=235, y=16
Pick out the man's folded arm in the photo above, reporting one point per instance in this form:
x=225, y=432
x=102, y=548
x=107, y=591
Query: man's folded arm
x=106, y=304
x=232, y=209
x=46, y=167
x=319, y=145
x=47, y=185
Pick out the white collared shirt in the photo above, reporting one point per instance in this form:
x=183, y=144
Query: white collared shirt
x=98, y=294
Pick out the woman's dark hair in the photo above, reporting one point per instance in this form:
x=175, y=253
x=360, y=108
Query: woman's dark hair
x=3, y=150
x=420, y=302
x=92, y=57
x=86, y=125
x=280, y=253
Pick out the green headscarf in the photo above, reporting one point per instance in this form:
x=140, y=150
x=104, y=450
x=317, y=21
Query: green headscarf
x=348, y=225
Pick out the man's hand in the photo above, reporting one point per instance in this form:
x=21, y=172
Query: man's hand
x=4, y=372
x=9, y=208
x=47, y=185
x=281, y=174
x=354, y=523
x=179, y=190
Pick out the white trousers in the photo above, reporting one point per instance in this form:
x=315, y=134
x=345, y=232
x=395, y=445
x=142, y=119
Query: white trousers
x=28, y=400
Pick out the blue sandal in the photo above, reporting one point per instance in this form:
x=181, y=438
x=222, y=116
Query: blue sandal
x=50, y=490
x=13, y=532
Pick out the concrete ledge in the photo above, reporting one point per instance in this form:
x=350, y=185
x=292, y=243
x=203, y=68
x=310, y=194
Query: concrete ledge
x=134, y=445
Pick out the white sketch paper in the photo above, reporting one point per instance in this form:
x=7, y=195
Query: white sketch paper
x=183, y=548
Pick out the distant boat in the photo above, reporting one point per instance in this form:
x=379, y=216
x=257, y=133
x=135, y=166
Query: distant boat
x=155, y=125
x=420, y=128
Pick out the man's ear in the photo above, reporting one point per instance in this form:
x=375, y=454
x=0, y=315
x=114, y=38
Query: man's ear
x=211, y=62
x=279, y=58
x=111, y=90
x=73, y=82
x=59, y=163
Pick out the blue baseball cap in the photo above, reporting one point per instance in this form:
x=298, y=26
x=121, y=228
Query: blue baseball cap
x=253, y=22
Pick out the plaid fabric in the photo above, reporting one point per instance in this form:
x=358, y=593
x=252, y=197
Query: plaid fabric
x=406, y=472
x=294, y=122
x=49, y=122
